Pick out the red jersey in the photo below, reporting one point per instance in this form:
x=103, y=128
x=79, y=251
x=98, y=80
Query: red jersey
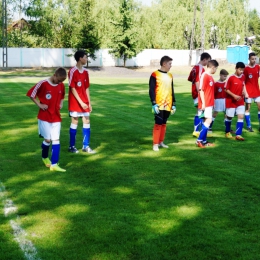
x=251, y=80
x=80, y=82
x=219, y=91
x=235, y=84
x=194, y=77
x=207, y=85
x=51, y=95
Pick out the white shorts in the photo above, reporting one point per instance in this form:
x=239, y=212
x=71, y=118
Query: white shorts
x=50, y=131
x=220, y=105
x=250, y=100
x=230, y=112
x=207, y=112
x=79, y=114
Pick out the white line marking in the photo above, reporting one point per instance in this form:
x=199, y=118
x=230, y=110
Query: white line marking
x=10, y=209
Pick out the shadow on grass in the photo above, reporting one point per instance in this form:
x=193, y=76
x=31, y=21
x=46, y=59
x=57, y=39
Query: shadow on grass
x=127, y=202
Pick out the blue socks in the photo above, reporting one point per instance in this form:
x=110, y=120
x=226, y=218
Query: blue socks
x=228, y=125
x=203, y=133
x=45, y=149
x=248, y=121
x=73, y=132
x=240, y=125
x=55, y=152
x=86, y=135
x=197, y=123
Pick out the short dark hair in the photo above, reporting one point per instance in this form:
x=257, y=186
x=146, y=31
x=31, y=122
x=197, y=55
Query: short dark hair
x=79, y=54
x=165, y=59
x=61, y=72
x=223, y=72
x=240, y=65
x=251, y=54
x=212, y=63
x=205, y=55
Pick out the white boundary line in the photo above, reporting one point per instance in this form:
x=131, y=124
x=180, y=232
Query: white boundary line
x=10, y=209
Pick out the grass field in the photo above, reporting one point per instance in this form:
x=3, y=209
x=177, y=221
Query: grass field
x=127, y=202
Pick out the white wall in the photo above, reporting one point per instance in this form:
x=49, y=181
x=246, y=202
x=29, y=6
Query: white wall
x=43, y=57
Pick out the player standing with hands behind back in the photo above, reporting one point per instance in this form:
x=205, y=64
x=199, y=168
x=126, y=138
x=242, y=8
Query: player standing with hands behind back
x=79, y=102
x=162, y=96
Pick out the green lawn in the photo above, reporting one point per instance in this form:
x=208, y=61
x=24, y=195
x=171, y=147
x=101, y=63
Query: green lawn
x=128, y=202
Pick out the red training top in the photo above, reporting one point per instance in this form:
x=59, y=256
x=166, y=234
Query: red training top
x=235, y=84
x=50, y=95
x=207, y=85
x=219, y=91
x=194, y=77
x=251, y=80
x=79, y=80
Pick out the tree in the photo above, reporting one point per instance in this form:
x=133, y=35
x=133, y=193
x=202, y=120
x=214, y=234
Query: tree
x=256, y=45
x=124, y=41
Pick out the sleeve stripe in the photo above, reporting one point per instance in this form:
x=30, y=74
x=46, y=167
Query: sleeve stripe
x=71, y=74
x=36, y=88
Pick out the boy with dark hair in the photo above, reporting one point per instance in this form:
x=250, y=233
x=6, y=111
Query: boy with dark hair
x=236, y=91
x=79, y=102
x=161, y=92
x=48, y=95
x=206, y=101
x=219, y=96
x=252, y=74
x=194, y=78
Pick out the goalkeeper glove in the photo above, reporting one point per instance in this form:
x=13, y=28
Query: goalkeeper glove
x=173, y=110
x=155, y=109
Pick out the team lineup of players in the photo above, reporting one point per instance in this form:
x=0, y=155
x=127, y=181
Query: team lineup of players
x=232, y=95
x=226, y=95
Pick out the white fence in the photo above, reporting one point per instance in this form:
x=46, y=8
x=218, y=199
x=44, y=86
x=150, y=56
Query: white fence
x=43, y=57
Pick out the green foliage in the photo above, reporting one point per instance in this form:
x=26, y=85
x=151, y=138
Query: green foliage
x=124, y=41
x=128, y=27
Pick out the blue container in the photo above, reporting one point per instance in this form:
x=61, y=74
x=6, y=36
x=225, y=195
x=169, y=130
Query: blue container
x=236, y=53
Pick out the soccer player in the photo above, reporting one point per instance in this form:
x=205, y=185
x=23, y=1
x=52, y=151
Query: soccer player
x=252, y=74
x=194, y=77
x=79, y=102
x=206, y=102
x=236, y=91
x=48, y=95
x=219, y=96
x=161, y=92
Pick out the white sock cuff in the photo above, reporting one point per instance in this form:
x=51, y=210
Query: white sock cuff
x=56, y=142
x=228, y=120
x=73, y=126
x=258, y=112
x=240, y=120
x=86, y=125
x=247, y=113
x=45, y=143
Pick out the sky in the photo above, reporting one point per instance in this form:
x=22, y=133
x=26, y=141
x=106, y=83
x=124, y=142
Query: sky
x=253, y=4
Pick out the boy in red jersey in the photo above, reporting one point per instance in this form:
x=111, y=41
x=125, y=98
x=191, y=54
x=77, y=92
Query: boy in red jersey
x=206, y=102
x=194, y=78
x=252, y=74
x=48, y=95
x=236, y=91
x=79, y=102
x=162, y=96
x=219, y=96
